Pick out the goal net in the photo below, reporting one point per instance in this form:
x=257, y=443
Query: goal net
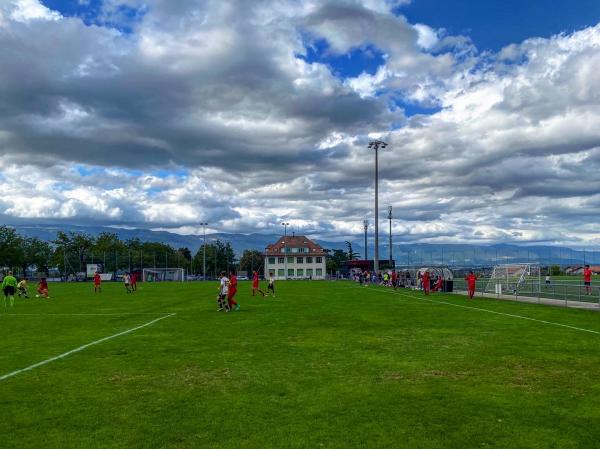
x=513, y=278
x=162, y=274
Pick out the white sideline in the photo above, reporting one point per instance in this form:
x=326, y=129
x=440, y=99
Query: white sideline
x=83, y=314
x=491, y=311
x=81, y=348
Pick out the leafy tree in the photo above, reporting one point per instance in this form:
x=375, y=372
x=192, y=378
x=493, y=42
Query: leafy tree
x=555, y=270
x=335, y=260
x=11, y=248
x=352, y=255
x=219, y=257
x=81, y=244
x=185, y=253
x=252, y=259
x=109, y=249
x=60, y=257
x=36, y=252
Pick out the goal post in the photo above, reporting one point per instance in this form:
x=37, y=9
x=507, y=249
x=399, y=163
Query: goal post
x=163, y=274
x=513, y=278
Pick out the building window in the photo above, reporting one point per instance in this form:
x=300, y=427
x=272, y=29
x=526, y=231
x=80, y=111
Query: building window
x=299, y=259
x=271, y=272
x=300, y=272
x=294, y=250
x=309, y=272
x=290, y=272
x=319, y=260
x=281, y=260
x=290, y=259
x=280, y=273
x=309, y=260
x=271, y=261
x=319, y=271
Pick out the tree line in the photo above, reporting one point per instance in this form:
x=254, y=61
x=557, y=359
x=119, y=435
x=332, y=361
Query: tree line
x=69, y=254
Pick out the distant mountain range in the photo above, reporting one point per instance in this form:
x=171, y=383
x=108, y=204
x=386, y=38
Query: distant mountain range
x=419, y=253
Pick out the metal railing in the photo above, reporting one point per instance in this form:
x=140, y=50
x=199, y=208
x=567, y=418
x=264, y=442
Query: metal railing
x=532, y=288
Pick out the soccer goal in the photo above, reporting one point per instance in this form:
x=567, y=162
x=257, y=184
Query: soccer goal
x=513, y=278
x=163, y=274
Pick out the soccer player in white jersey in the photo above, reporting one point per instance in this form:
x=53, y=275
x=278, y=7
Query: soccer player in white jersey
x=223, y=291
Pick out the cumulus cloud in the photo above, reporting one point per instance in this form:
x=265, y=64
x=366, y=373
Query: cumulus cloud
x=163, y=114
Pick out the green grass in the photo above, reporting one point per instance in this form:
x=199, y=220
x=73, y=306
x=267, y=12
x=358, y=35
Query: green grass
x=323, y=365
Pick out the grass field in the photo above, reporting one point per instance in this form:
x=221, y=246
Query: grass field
x=323, y=365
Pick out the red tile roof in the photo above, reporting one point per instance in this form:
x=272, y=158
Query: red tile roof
x=295, y=241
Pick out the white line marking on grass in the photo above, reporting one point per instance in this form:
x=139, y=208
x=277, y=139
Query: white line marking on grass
x=490, y=311
x=81, y=348
x=83, y=314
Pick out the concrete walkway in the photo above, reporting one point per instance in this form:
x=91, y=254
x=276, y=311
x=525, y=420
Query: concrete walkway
x=532, y=300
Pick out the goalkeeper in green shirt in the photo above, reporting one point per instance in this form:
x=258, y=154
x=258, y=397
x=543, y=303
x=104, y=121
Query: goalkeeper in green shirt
x=9, y=286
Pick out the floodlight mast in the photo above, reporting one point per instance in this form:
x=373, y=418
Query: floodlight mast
x=285, y=225
x=366, y=226
x=204, y=225
x=376, y=145
x=390, y=218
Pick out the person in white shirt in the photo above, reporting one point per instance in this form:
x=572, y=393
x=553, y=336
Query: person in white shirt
x=126, y=281
x=223, y=291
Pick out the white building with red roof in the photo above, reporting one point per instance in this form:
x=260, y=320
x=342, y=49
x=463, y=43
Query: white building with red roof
x=295, y=257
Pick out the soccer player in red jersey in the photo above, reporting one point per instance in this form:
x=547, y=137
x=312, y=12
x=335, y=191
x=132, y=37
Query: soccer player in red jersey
x=232, y=291
x=255, y=287
x=43, y=289
x=471, y=279
x=394, y=279
x=97, y=283
x=587, y=280
x=426, y=282
x=133, y=281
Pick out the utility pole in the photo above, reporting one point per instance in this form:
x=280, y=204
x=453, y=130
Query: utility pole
x=376, y=145
x=204, y=225
x=390, y=218
x=285, y=225
x=366, y=227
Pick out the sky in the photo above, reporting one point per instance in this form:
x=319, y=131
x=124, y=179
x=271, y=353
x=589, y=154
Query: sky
x=162, y=115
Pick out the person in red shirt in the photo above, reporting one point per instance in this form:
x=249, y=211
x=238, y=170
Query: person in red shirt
x=394, y=279
x=133, y=281
x=438, y=285
x=471, y=279
x=255, y=287
x=426, y=282
x=232, y=291
x=97, y=283
x=587, y=280
x=43, y=289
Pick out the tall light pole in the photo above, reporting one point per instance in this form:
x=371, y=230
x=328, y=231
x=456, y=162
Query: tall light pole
x=366, y=226
x=390, y=218
x=204, y=225
x=285, y=225
x=376, y=145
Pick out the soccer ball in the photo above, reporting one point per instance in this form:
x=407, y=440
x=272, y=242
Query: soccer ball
x=37, y=296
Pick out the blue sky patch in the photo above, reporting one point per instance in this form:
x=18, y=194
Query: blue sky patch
x=124, y=18
x=494, y=24
x=365, y=59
